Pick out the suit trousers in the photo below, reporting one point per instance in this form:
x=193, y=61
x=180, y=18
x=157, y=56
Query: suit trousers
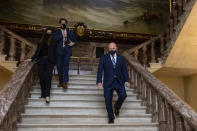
x=108, y=94
x=63, y=67
x=45, y=71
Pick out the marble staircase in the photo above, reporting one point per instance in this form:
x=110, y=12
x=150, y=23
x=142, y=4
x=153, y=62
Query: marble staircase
x=81, y=108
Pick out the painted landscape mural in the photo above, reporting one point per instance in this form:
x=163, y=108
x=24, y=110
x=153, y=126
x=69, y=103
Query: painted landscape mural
x=135, y=16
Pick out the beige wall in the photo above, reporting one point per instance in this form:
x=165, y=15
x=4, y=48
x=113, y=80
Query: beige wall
x=191, y=90
x=4, y=76
x=175, y=83
x=184, y=86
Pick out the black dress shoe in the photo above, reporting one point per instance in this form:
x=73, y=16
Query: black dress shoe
x=111, y=120
x=117, y=112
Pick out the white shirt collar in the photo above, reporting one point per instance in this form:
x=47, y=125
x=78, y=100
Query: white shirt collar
x=64, y=30
x=115, y=56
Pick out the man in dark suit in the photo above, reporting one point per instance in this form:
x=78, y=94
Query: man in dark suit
x=115, y=78
x=65, y=40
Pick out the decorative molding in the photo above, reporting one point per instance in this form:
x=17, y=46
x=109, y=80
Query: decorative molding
x=82, y=29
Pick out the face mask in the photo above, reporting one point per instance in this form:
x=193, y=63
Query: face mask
x=112, y=52
x=63, y=26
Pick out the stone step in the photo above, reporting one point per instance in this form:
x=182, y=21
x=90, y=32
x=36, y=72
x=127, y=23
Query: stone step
x=74, y=87
x=88, y=81
x=79, y=97
x=62, y=95
x=74, y=81
x=89, y=127
x=77, y=111
x=77, y=90
x=83, y=76
x=71, y=103
x=65, y=100
x=82, y=82
x=71, y=84
x=71, y=91
x=82, y=119
x=54, y=107
x=80, y=77
x=82, y=72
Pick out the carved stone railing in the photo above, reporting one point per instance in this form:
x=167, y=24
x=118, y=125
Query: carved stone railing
x=158, y=48
x=146, y=52
x=166, y=107
x=14, y=96
x=15, y=47
x=14, y=93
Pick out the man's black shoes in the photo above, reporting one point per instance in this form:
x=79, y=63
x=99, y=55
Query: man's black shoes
x=111, y=120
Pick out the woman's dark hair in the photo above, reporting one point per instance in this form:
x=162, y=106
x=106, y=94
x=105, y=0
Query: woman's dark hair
x=44, y=37
x=61, y=19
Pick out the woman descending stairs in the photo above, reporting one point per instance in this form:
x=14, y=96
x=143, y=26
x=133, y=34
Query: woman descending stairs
x=81, y=108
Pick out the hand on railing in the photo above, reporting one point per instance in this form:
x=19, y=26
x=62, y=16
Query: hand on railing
x=99, y=86
x=27, y=60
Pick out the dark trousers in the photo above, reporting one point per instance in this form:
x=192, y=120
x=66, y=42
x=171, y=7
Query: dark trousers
x=63, y=67
x=108, y=94
x=45, y=70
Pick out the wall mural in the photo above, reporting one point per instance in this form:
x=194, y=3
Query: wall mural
x=134, y=16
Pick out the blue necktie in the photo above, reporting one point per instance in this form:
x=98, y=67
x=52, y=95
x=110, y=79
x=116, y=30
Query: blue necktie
x=114, y=62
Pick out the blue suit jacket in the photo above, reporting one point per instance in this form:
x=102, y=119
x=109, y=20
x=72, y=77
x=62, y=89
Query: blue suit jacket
x=106, y=65
x=59, y=41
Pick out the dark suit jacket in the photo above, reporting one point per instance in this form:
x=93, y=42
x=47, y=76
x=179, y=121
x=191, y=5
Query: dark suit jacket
x=51, y=53
x=106, y=65
x=59, y=41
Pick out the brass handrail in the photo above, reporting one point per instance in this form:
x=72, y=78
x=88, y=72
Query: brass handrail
x=79, y=61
